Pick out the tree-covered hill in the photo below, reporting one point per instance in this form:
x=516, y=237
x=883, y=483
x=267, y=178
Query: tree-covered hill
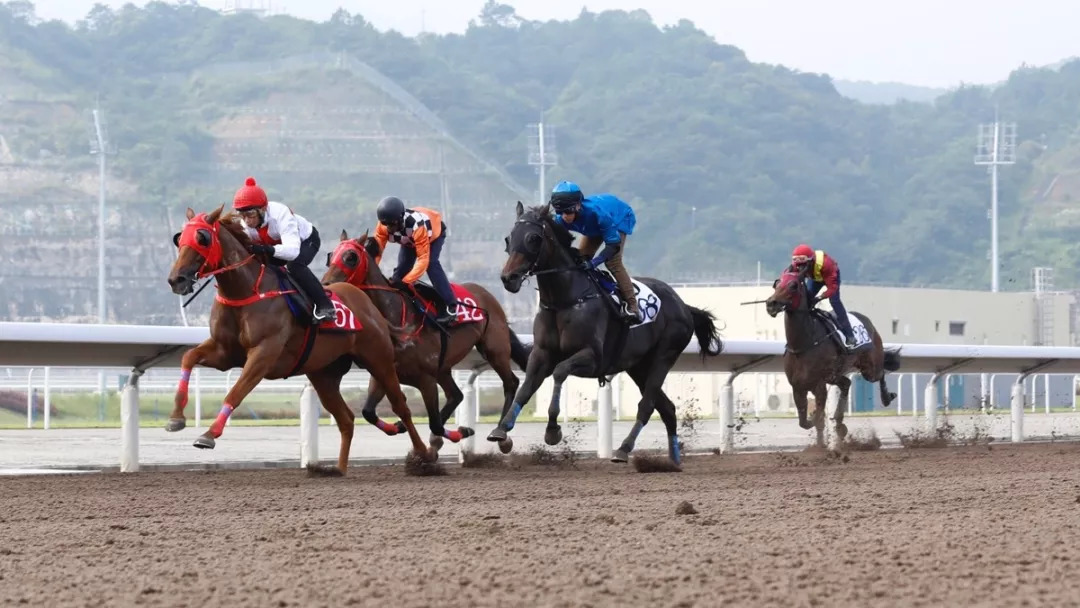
x=727, y=162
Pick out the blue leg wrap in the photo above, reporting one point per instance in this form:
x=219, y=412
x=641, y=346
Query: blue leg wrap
x=511, y=416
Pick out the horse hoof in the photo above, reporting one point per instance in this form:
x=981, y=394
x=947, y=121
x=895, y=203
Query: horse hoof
x=620, y=456
x=841, y=431
x=892, y=397
x=506, y=445
x=466, y=432
x=204, y=442
x=175, y=424
x=553, y=436
x=806, y=424
x=436, y=443
x=499, y=434
x=400, y=426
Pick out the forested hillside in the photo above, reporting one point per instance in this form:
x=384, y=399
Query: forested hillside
x=727, y=162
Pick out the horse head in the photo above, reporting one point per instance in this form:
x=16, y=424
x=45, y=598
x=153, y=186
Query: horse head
x=201, y=250
x=350, y=262
x=789, y=294
x=535, y=243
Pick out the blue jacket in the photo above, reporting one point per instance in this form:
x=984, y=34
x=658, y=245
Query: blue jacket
x=603, y=215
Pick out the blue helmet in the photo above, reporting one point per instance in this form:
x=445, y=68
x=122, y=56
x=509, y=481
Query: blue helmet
x=565, y=196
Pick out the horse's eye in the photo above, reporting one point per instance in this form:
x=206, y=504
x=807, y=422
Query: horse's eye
x=203, y=238
x=533, y=241
x=350, y=258
x=507, y=240
x=328, y=256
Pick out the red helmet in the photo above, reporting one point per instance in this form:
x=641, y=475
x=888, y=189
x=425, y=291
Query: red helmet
x=802, y=254
x=250, y=196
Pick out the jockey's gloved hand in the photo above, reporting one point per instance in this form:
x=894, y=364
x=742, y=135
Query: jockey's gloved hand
x=399, y=284
x=262, y=249
x=586, y=265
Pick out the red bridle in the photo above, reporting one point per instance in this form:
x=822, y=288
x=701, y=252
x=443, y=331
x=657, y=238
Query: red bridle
x=356, y=275
x=212, y=254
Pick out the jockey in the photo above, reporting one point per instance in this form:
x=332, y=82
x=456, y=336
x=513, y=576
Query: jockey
x=286, y=238
x=822, y=271
x=421, y=234
x=601, y=219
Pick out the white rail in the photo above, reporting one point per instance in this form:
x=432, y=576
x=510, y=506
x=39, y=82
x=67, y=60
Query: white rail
x=142, y=347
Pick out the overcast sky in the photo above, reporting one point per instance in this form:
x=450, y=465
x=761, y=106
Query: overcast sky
x=925, y=42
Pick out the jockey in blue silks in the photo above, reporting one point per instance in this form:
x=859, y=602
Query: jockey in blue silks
x=601, y=219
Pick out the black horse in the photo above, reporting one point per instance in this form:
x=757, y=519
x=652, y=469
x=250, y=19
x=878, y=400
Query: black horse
x=578, y=330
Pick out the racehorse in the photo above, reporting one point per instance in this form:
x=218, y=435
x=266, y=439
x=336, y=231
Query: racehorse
x=816, y=355
x=426, y=360
x=578, y=330
x=251, y=325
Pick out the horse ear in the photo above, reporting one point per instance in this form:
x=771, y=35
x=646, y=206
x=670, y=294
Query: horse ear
x=190, y=213
x=362, y=238
x=344, y=235
x=520, y=209
x=215, y=214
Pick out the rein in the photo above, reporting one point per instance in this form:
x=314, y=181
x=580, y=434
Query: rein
x=212, y=255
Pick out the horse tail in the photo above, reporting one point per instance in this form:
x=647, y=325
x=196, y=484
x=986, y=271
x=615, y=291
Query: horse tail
x=519, y=352
x=892, y=359
x=708, y=335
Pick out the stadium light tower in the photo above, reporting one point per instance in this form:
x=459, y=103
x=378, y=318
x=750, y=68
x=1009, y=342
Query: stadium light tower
x=996, y=146
x=542, y=154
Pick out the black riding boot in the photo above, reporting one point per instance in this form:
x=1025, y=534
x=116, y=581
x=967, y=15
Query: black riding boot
x=324, y=309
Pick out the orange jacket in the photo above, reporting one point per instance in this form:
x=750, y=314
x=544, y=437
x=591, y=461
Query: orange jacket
x=421, y=227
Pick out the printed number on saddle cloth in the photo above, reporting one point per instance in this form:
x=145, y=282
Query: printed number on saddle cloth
x=343, y=316
x=467, y=309
x=858, y=330
x=648, y=302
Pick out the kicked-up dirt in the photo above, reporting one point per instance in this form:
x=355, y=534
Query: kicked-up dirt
x=983, y=525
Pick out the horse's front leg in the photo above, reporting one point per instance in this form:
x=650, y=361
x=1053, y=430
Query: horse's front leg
x=844, y=384
x=260, y=361
x=208, y=354
x=583, y=362
x=541, y=363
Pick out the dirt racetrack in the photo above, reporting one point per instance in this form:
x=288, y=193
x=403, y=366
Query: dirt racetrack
x=960, y=526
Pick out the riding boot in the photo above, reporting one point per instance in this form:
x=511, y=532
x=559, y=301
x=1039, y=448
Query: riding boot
x=324, y=309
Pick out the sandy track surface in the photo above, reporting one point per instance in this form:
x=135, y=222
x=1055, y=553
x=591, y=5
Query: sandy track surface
x=987, y=525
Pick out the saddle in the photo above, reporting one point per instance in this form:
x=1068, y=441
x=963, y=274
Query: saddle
x=301, y=303
x=828, y=317
x=426, y=300
x=610, y=287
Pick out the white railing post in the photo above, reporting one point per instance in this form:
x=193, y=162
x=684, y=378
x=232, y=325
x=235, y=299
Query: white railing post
x=48, y=401
x=984, y=388
x=30, y=399
x=1018, y=410
x=603, y=419
x=467, y=413
x=727, y=416
x=1046, y=392
x=309, y=426
x=129, y=424
x=931, y=397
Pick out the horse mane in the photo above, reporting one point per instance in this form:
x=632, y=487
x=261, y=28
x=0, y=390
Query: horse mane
x=543, y=214
x=230, y=221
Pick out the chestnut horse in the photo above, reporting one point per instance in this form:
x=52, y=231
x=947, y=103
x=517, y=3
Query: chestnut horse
x=251, y=326
x=815, y=358
x=426, y=361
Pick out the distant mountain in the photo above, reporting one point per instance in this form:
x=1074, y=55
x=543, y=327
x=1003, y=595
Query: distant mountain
x=886, y=92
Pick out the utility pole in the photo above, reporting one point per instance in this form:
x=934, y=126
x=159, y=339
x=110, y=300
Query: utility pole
x=996, y=146
x=542, y=154
x=99, y=145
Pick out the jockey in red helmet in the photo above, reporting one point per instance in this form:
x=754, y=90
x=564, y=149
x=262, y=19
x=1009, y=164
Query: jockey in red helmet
x=820, y=270
x=286, y=238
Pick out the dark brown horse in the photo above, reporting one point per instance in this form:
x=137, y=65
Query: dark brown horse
x=815, y=357
x=426, y=361
x=251, y=326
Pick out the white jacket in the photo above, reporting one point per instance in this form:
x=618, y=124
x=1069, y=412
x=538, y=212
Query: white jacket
x=281, y=228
